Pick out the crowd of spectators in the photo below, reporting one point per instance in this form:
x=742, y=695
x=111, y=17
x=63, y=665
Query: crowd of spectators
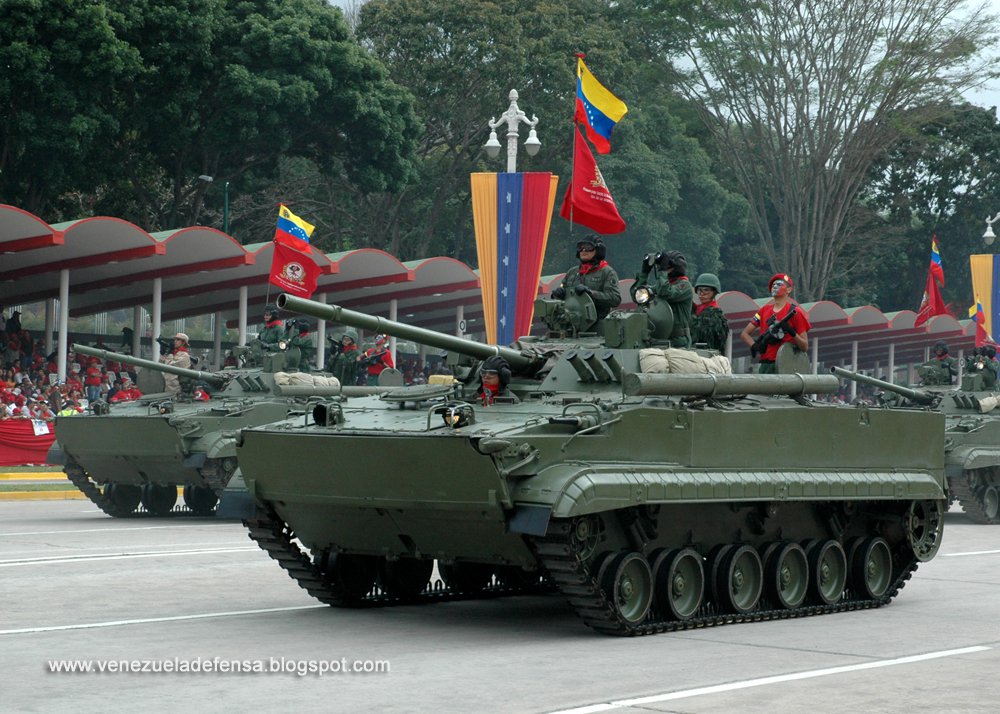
x=29, y=388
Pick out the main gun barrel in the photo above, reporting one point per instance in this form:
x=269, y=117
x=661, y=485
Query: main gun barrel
x=918, y=396
x=431, y=338
x=210, y=378
x=719, y=385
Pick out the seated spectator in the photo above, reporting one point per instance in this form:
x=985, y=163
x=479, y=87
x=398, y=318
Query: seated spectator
x=127, y=392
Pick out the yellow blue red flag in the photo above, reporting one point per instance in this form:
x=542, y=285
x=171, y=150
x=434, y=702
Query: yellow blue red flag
x=986, y=292
x=596, y=108
x=291, y=226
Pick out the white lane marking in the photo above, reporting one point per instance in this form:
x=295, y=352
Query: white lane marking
x=147, y=620
x=109, y=530
x=971, y=552
x=49, y=560
x=733, y=686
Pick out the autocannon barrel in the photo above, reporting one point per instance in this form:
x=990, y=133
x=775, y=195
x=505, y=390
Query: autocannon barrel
x=914, y=395
x=721, y=385
x=431, y=338
x=209, y=378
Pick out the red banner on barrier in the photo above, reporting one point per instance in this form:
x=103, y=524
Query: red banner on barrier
x=24, y=441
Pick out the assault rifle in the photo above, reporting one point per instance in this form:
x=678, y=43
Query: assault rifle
x=773, y=333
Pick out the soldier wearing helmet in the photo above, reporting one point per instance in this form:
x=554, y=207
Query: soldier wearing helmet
x=300, y=335
x=779, y=321
x=942, y=368
x=376, y=359
x=343, y=361
x=708, y=323
x=274, y=330
x=592, y=276
x=666, y=274
x=494, y=377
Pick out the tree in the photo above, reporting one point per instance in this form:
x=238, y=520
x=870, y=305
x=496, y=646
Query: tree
x=62, y=66
x=803, y=96
x=943, y=178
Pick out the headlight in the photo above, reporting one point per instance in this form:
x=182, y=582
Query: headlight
x=282, y=345
x=457, y=415
x=643, y=295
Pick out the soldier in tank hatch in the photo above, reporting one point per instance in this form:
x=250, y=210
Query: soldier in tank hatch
x=708, y=323
x=941, y=368
x=494, y=378
x=343, y=360
x=274, y=330
x=779, y=321
x=592, y=276
x=300, y=335
x=179, y=357
x=672, y=285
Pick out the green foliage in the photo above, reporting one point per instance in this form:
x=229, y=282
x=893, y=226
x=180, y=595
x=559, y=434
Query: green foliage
x=943, y=179
x=174, y=89
x=61, y=68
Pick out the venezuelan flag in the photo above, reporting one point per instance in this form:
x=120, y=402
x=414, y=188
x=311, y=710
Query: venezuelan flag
x=512, y=213
x=597, y=108
x=291, y=226
x=986, y=291
x=937, y=269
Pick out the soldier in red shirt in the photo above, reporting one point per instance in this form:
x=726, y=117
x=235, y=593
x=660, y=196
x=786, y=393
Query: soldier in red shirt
x=779, y=321
x=376, y=359
x=127, y=392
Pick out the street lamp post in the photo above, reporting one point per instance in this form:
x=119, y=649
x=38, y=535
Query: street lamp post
x=989, y=236
x=512, y=117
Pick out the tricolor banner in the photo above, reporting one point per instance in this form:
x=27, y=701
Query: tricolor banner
x=512, y=214
x=986, y=292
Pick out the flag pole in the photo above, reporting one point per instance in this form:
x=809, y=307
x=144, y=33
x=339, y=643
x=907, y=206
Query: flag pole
x=572, y=163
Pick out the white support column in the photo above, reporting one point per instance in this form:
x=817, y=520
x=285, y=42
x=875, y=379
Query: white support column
x=242, y=338
x=50, y=320
x=63, y=322
x=459, y=319
x=321, y=336
x=814, y=348
x=892, y=363
x=137, y=331
x=393, y=307
x=157, y=315
x=854, y=368
x=217, y=325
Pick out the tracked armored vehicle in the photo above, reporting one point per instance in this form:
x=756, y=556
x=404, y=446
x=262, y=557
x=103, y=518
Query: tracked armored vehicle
x=139, y=453
x=972, y=436
x=651, y=501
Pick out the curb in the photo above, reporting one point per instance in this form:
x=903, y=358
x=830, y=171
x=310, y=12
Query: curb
x=33, y=476
x=41, y=495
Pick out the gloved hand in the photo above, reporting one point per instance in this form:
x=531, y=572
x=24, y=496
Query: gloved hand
x=559, y=294
x=754, y=351
x=647, y=263
x=580, y=289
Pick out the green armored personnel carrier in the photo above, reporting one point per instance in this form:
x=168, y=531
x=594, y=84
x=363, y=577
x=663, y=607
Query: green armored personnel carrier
x=972, y=435
x=136, y=453
x=652, y=501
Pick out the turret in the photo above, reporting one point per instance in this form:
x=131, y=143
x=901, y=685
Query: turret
x=519, y=361
x=211, y=378
x=917, y=396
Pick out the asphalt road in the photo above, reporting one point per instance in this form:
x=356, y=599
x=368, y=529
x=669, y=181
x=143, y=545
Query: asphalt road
x=77, y=585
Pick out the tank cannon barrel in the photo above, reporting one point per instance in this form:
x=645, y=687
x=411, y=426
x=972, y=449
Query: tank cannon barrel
x=210, y=378
x=918, y=396
x=351, y=318
x=720, y=385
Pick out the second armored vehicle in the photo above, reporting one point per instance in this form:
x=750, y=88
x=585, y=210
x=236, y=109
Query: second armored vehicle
x=651, y=501
x=972, y=437
x=141, y=452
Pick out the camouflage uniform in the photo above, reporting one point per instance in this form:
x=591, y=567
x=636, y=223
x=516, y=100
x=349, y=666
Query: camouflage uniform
x=711, y=327
x=603, y=285
x=303, y=340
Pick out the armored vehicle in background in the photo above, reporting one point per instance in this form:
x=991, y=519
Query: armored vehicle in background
x=972, y=436
x=131, y=453
x=651, y=501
